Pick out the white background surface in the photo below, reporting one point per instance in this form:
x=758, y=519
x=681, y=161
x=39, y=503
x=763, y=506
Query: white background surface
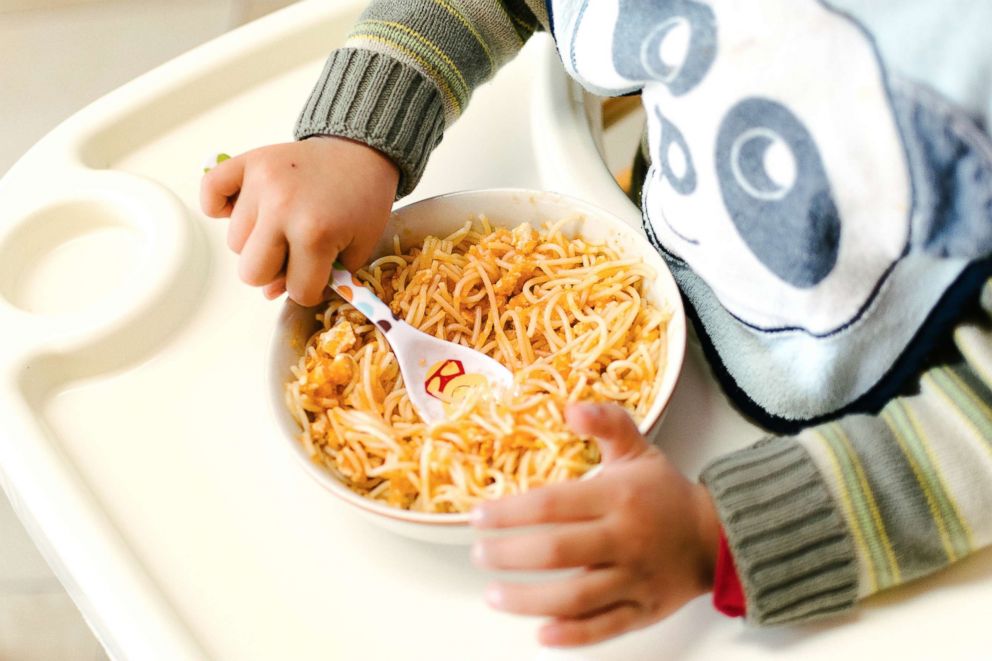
x=181, y=454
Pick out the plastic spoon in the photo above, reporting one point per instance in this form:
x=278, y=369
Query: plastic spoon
x=436, y=373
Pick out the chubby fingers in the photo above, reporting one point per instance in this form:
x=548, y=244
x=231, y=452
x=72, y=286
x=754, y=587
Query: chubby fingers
x=594, y=627
x=587, y=592
x=275, y=289
x=220, y=185
x=241, y=226
x=263, y=256
x=307, y=275
x=581, y=500
x=355, y=255
x=563, y=547
x=613, y=428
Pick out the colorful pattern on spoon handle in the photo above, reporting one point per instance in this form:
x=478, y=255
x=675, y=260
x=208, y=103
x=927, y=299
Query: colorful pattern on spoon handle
x=361, y=297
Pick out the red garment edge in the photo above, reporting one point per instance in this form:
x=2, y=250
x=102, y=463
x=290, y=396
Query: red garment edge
x=728, y=593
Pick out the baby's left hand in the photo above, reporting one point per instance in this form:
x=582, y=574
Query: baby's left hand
x=645, y=537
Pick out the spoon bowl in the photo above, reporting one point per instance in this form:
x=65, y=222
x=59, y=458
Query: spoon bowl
x=437, y=373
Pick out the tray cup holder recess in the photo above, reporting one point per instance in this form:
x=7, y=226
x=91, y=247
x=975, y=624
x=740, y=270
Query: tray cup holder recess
x=67, y=258
x=98, y=279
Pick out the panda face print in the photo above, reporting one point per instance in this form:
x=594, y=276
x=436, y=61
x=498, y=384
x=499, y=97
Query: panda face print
x=783, y=185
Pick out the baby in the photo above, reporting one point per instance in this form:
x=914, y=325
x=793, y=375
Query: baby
x=820, y=182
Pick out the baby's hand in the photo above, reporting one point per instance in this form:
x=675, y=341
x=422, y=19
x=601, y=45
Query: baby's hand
x=645, y=537
x=296, y=207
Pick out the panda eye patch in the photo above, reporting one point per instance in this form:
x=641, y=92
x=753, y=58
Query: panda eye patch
x=666, y=49
x=670, y=42
x=675, y=159
x=776, y=191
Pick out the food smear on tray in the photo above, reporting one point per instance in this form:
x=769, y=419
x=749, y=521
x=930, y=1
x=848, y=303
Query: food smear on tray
x=569, y=318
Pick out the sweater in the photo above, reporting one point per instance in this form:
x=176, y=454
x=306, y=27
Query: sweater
x=850, y=500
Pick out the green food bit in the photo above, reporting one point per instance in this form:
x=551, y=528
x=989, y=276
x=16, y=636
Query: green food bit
x=220, y=158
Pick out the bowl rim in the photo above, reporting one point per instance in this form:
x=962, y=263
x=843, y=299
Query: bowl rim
x=291, y=310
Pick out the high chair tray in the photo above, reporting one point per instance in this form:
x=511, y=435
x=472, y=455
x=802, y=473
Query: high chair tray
x=136, y=438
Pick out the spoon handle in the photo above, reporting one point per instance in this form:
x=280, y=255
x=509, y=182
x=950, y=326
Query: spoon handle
x=362, y=298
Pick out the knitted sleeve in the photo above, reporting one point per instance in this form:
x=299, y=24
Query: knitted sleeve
x=820, y=520
x=407, y=72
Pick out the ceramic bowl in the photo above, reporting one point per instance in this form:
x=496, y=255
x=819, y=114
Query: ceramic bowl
x=440, y=216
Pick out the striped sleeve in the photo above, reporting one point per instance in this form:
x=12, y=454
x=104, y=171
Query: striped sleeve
x=408, y=70
x=850, y=508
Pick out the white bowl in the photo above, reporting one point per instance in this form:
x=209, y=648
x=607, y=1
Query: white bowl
x=440, y=216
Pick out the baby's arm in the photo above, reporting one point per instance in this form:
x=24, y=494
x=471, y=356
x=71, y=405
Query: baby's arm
x=407, y=72
x=813, y=523
x=379, y=109
x=847, y=509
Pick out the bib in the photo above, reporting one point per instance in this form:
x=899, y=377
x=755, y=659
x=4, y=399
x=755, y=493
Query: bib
x=826, y=218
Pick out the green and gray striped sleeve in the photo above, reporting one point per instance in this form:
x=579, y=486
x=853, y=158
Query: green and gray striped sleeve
x=407, y=72
x=847, y=509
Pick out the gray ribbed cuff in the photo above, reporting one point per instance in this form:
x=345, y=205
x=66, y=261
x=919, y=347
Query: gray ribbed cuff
x=791, y=546
x=381, y=102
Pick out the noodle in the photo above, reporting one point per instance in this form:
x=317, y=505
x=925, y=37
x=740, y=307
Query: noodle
x=568, y=317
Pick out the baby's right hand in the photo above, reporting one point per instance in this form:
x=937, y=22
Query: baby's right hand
x=297, y=207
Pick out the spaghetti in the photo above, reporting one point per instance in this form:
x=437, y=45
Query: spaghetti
x=570, y=320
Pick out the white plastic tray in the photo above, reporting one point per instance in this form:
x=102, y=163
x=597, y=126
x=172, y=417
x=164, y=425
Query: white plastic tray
x=137, y=445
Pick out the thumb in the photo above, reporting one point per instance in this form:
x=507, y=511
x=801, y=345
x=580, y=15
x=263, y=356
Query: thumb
x=220, y=184
x=609, y=424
